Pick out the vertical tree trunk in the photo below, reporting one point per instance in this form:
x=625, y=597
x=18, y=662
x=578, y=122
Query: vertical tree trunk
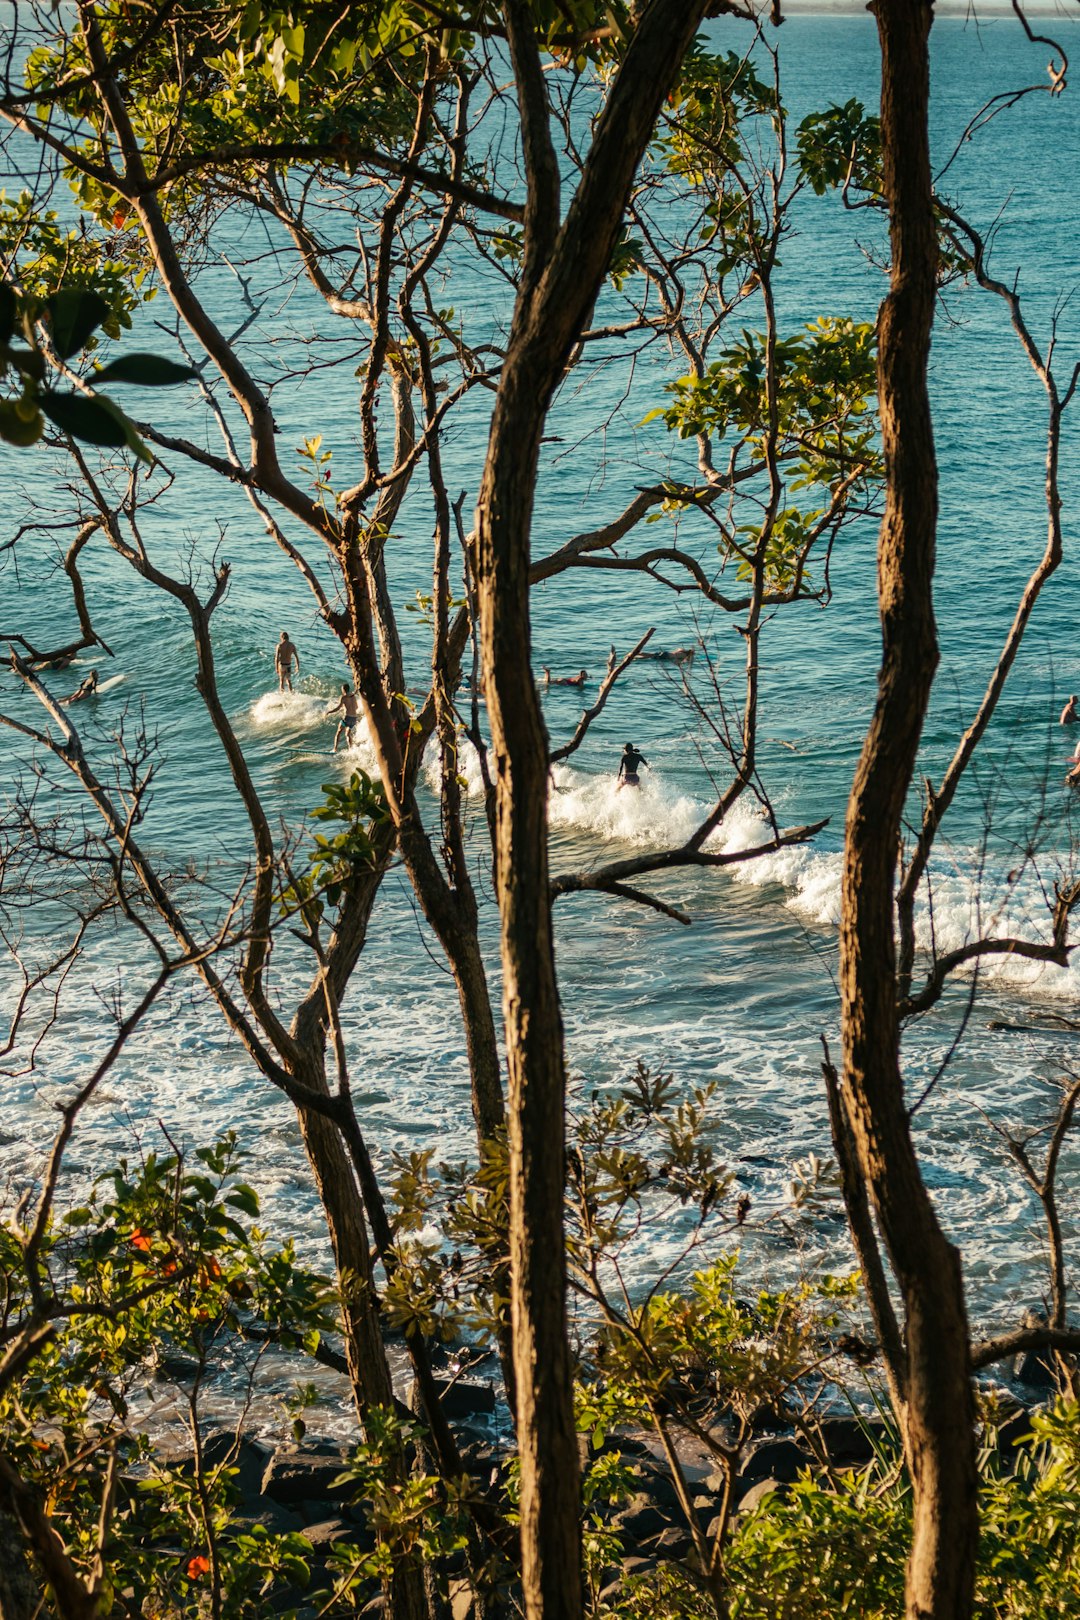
x=938, y=1410
x=563, y=266
x=20, y=1595
x=365, y=1352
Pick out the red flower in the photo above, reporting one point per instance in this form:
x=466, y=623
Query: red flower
x=197, y=1567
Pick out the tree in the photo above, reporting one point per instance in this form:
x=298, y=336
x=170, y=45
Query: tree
x=299, y=119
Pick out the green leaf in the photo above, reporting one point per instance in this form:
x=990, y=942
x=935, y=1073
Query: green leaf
x=244, y=1198
x=16, y=428
x=84, y=418
x=144, y=371
x=73, y=316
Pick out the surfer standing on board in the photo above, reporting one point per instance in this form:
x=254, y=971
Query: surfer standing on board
x=350, y=713
x=285, y=655
x=628, y=767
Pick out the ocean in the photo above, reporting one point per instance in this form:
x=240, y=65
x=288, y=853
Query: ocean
x=744, y=995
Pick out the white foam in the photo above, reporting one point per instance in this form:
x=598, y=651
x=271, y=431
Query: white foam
x=653, y=815
x=292, y=710
x=965, y=904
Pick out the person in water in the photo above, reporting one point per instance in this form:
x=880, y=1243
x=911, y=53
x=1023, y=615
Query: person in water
x=565, y=680
x=285, y=656
x=628, y=767
x=86, y=689
x=350, y=714
x=1068, y=713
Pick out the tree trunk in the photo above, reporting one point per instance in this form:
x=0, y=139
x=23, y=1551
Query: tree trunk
x=938, y=1413
x=563, y=266
x=20, y=1596
x=365, y=1352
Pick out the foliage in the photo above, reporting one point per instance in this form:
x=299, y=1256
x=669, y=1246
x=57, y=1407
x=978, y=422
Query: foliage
x=428, y=1516
x=57, y=321
x=161, y=1274
x=824, y=387
x=821, y=1550
x=336, y=862
x=716, y=94
x=163, y=1266
x=841, y=146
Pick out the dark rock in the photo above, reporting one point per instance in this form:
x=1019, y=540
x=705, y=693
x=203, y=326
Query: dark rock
x=768, y=1418
x=641, y=1518
x=245, y=1455
x=303, y=1476
x=776, y=1459
x=851, y=1442
x=636, y=1564
x=624, y=1440
x=328, y=1531
x=465, y=1398
x=274, y=1517
x=173, y=1368
x=658, y=1486
x=319, y=1509
x=674, y=1542
x=1035, y=1368
x=478, y=1457
x=1010, y=1432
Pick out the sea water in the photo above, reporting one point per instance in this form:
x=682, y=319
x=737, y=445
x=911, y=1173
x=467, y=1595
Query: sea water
x=743, y=996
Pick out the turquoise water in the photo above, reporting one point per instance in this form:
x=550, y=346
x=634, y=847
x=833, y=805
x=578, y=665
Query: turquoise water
x=743, y=996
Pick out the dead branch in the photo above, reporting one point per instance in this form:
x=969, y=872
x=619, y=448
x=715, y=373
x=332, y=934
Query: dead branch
x=614, y=670
x=685, y=855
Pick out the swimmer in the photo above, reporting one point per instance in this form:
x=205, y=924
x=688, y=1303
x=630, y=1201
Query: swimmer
x=565, y=680
x=285, y=655
x=350, y=714
x=85, y=690
x=680, y=655
x=628, y=768
x=1068, y=713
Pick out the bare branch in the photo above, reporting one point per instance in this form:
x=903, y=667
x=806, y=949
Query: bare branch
x=614, y=670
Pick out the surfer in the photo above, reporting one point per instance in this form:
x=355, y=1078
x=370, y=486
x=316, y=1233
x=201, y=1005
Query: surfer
x=565, y=680
x=628, y=767
x=86, y=689
x=285, y=655
x=678, y=655
x=350, y=713
x=1068, y=713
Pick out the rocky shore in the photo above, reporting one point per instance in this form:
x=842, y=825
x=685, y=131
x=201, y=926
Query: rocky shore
x=296, y=1487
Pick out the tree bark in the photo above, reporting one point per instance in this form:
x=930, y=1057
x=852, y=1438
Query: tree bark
x=563, y=267
x=20, y=1595
x=369, y=1370
x=938, y=1412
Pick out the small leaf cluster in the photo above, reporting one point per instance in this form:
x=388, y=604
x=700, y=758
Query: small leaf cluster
x=841, y=146
x=336, y=862
x=715, y=95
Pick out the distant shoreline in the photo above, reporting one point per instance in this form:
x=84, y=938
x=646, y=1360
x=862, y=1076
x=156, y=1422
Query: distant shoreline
x=973, y=11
